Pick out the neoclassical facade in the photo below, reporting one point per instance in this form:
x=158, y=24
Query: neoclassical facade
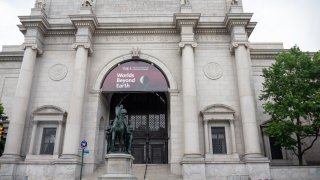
x=184, y=71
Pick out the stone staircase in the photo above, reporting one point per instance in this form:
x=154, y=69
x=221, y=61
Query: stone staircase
x=154, y=172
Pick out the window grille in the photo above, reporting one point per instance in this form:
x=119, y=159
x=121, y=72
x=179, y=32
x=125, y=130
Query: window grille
x=218, y=140
x=48, y=139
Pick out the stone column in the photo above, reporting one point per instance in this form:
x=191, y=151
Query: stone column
x=20, y=104
x=247, y=101
x=206, y=137
x=57, y=143
x=233, y=137
x=190, y=111
x=74, y=121
x=186, y=22
x=33, y=135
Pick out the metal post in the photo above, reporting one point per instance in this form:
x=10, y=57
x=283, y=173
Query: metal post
x=81, y=163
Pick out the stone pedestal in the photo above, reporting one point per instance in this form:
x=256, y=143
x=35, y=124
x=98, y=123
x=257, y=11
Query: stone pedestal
x=118, y=166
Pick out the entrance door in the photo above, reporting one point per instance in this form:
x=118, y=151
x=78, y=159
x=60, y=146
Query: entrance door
x=147, y=113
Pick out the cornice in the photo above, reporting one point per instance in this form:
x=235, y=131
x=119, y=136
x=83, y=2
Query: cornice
x=237, y=19
x=188, y=19
x=34, y=21
x=64, y=32
x=85, y=20
x=211, y=31
x=11, y=56
x=250, y=27
x=265, y=53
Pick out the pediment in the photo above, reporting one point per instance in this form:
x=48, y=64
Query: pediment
x=49, y=110
x=218, y=112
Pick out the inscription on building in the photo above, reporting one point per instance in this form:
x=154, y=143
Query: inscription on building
x=159, y=38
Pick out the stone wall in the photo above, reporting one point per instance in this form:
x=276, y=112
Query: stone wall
x=295, y=172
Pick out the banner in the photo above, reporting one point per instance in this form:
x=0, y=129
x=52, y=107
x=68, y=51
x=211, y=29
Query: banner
x=135, y=76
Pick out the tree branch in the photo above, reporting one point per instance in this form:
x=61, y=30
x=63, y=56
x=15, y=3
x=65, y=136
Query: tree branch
x=310, y=146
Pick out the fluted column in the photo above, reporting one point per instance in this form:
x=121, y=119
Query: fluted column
x=247, y=101
x=190, y=111
x=74, y=121
x=20, y=104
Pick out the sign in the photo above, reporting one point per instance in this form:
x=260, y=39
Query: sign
x=136, y=76
x=83, y=144
x=86, y=151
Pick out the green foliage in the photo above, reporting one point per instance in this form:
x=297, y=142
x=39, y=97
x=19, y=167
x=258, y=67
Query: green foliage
x=291, y=92
x=1, y=110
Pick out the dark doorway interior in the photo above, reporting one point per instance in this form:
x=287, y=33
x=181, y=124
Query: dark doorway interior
x=147, y=113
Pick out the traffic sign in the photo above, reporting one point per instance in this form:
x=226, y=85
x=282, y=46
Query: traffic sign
x=83, y=144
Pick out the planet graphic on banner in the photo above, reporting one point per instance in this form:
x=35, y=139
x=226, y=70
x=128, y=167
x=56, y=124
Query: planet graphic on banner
x=144, y=80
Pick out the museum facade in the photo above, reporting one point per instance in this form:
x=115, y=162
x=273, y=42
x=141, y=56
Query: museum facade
x=184, y=71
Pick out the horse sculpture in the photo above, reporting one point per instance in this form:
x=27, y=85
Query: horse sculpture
x=119, y=131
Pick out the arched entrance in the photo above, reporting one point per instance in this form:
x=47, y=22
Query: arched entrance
x=147, y=113
x=141, y=88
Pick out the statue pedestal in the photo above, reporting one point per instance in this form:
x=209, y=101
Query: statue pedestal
x=118, y=166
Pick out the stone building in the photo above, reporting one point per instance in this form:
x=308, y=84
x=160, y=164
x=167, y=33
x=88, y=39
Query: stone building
x=184, y=70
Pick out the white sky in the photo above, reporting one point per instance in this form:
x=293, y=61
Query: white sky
x=288, y=21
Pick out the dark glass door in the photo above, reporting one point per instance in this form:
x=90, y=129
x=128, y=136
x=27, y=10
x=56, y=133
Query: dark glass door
x=147, y=113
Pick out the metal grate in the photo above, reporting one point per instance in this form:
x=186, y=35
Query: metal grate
x=48, y=139
x=218, y=140
x=148, y=115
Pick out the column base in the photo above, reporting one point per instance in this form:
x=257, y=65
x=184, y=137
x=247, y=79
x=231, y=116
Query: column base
x=255, y=158
x=7, y=158
x=193, y=167
x=68, y=159
x=192, y=158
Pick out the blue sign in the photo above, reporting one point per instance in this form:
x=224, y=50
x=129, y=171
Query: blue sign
x=86, y=151
x=83, y=144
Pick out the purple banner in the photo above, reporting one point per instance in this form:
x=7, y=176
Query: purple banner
x=135, y=76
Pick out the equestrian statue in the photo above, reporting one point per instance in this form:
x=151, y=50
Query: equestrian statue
x=119, y=133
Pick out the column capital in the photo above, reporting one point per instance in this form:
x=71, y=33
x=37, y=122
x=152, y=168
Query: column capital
x=192, y=44
x=235, y=45
x=85, y=45
x=33, y=47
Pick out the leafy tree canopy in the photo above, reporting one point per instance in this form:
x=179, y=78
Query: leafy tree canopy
x=1, y=110
x=291, y=92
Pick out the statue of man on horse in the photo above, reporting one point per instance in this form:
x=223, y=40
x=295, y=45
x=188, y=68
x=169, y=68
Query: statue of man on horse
x=119, y=132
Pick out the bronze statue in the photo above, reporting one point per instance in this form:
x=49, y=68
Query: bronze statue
x=121, y=131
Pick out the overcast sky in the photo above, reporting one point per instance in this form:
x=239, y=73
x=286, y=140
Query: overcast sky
x=288, y=21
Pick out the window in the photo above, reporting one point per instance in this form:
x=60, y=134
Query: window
x=276, y=152
x=48, y=139
x=218, y=140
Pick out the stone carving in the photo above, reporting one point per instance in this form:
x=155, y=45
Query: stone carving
x=87, y=3
x=40, y=4
x=234, y=2
x=184, y=2
x=135, y=52
x=213, y=71
x=120, y=130
x=58, y=72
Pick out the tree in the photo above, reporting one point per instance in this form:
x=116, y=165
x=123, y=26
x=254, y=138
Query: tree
x=291, y=92
x=1, y=110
